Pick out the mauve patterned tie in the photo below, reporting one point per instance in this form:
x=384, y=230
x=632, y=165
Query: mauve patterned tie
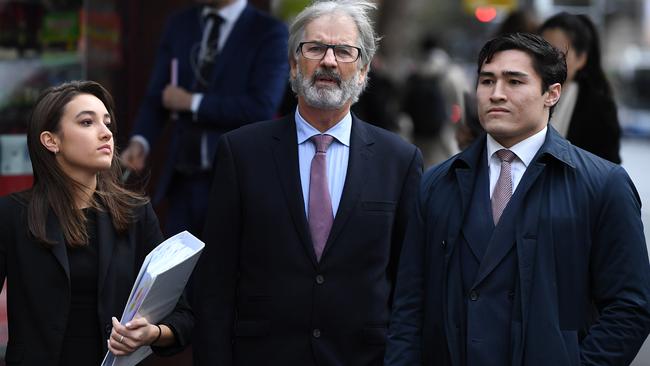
x=320, y=204
x=503, y=189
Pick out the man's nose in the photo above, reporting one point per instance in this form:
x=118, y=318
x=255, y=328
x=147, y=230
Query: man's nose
x=498, y=92
x=329, y=58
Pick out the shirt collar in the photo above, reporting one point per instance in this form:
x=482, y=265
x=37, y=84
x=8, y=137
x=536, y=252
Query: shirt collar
x=525, y=150
x=340, y=131
x=230, y=12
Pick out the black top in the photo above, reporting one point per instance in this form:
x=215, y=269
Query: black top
x=82, y=342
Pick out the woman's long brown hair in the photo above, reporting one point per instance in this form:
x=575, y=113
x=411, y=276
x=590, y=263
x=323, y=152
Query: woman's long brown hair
x=54, y=190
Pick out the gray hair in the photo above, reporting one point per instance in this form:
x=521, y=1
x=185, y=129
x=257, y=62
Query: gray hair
x=356, y=9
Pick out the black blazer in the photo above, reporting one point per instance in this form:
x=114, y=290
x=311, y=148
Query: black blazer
x=38, y=291
x=594, y=125
x=263, y=297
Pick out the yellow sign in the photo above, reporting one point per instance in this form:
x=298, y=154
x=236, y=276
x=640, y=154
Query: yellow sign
x=471, y=5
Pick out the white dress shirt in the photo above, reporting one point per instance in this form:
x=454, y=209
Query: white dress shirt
x=525, y=152
x=338, y=155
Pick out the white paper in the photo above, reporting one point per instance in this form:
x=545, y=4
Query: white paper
x=160, y=283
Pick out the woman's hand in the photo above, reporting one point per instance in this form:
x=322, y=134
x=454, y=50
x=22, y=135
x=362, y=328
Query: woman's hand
x=127, y=338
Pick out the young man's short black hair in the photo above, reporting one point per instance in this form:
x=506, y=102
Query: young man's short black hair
x=548, y=62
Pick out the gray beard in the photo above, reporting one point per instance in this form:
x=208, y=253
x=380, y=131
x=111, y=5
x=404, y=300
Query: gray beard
x=327, y=98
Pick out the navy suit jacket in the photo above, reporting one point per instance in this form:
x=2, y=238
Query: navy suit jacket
x=247, y=82
x=264, y=299
x=38, y=282
x=583, y=281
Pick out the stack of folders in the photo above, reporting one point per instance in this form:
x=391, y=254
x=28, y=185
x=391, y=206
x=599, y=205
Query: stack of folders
x=159, y=285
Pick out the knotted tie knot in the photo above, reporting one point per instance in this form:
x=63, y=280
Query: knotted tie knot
x=506, y=155
x=212, y=15
x=322, y=142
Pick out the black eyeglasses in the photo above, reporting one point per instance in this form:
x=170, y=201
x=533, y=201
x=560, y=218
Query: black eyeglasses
x=317, y=50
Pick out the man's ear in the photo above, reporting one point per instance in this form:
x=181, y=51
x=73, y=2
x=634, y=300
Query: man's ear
x=293, y=67
x=553, y=95
x=363, y=73
x=50, y=141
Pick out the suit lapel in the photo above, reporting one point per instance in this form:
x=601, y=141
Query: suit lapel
x=105, y=243
x=235, y=39
x=502, y=242
x=285, y=154
x=59, y=250
x=360, y=155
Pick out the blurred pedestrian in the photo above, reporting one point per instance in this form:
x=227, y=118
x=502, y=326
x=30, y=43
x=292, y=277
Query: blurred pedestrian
x=221, y=64
x=434, y=100
x=470, y=127
x=586, y=115
x=380, y=102
x=518, y=21
x=71, y=246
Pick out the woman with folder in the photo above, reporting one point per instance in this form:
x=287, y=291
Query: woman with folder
x=72, y=245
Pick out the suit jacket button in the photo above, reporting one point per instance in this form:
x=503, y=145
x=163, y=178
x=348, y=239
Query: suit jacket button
x=316, y=333
x=108, y=329
x=473, y=295
x=320, y=279
x=443, y=244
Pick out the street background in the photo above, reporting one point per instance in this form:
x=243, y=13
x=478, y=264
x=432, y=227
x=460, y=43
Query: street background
x=43, y=43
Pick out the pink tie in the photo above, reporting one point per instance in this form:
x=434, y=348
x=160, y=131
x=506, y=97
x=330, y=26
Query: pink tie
x=503, y=189
x=320, y=204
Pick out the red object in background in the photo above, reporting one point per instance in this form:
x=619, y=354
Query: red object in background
x=15, y=166
x=485, y=14
x=14, y=183
x=456, y=113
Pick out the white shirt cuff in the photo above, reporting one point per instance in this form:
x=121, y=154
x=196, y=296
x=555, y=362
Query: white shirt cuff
x=196, y=102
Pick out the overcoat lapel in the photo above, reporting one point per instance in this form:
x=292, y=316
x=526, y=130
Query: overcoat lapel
x=361, y=154
x=285, y=153
x=465, y=168
x=54, y=233
x=501, y=242
x=478, y=225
